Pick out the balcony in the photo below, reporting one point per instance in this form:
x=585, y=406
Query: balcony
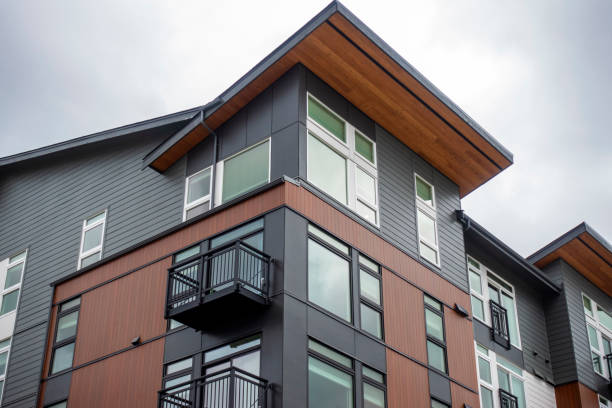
x=499, y=324
x=231, y=388
x=507, y=400
x=224, y=282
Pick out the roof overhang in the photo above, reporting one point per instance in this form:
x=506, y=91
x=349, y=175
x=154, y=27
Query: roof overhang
x=585, y=250
x=347, y=55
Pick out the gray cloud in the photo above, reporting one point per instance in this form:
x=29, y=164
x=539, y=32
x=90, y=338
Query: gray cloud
x=535, y=74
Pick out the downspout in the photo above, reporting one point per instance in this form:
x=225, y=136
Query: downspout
x=463, y=219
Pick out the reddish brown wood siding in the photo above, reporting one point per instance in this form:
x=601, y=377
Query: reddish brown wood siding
x=460, y=348
x=575, y=395
x=129, y=380
x=407, y=382
x=462, y=397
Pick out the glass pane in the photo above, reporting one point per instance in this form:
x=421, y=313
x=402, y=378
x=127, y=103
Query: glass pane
x=9, y=302
x=326, y=169
x=512, y=367
x=596, y=363
x=198, y=186
x=370, y=287
x=372, y=374
x=179, y=365
x=62, y=359
x=518, y=391
x=435, y=356
x=328, y=387
x=5, y=343
x=486, y=396
x=606, y=346
x=174, y=324
x=500, y=282
x=91, y=259
x=432, y=302
x=246, y=171
x=175, y=381
x=13, y=276
x=329, y=280
x=256, y=241
x=18, y=257
x=474, y=263
x=427, y=228
x=3, y=357
x=482, y=349
x=477, y=308
x=371, y=321
x=428, y=253
x=95, y=219
x=187, y=253
x=475, y=282
x=424, y=191
x=236, y=233
x=373, y=397
x=484, y=368
x=371, y=265
x=588, y=307
x=329, y=353
x=366, y=212
x=92, y=238
x=438, y=404
x=433, y=323
x=366, y=186
x=328, y=239
x=197, y=210
x=58, y=405
x=70, y=304
x=248, y=362
x=593, y=337
x=67, y=326
x=2, y=388
x=494, y=294
x=364, y=146
x=508, y=303
x=326, y=118
x=232, y=348
x=604, y=318
x=504, y=380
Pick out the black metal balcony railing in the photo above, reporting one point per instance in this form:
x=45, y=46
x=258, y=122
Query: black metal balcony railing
x=235, y=266
x=608, y=359
x=231, y=388
x=507, y=400
x=499, y=324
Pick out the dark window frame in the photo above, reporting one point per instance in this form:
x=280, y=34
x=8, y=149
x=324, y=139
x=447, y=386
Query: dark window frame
x=333, y=363
x=181, y=373
x=72, y=339
x=381, y=386
x=206, y=364
x=433, y=339
x=366, y=301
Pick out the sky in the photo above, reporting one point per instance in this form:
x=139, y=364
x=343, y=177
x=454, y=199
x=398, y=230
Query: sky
x=535, y=74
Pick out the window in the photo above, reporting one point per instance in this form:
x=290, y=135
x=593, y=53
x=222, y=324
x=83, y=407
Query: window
x=485, y=287
x=197, y=193
x=603, y=402
x=495, y=373
x=438, y=404
x=12, y=283
x=330, y=378
x=342, y=161
x=243, y=172
x=599, y=333
x=177, y=373
x=434, y=328
x=370, y=295
x=92, y=239
x=373, y=388
x=427, y=224
x=62, y=404
x=329, y=273
x=65, y=335
x=5, y=345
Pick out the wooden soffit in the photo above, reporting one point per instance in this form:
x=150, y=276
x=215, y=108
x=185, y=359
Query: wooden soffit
x=345, y=54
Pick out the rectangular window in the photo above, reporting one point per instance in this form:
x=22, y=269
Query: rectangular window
x=11, y=288
x=496, y=373
x=599, y=335
x=197, y=193
x=65, y=335
x=62, y=404
x=92, y=239
x=5, y=346
x=434, y=328
x=177, y=373
x=243, y=172
x=438, y=404
x=370, y=295
x=427, y=225
x=330, y=378
x=341, y=161
x=373, y=386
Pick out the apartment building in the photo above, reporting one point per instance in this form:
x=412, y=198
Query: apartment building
x=296, y=242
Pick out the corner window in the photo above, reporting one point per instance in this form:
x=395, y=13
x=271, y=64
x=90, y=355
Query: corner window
x=197, y=193
x=370, y=295
x=434, y=329
x=427, y=224
x=65, y=335
x=330, y=378
x=599, y=335
x=92, y=239
x=13, y=276
x=342, y=161
x=243, y=172
x=498, y=379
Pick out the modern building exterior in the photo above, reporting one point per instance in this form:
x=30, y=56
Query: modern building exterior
x=296, y=242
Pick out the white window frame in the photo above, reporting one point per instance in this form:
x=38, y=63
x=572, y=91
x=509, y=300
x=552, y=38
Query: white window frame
x=92, y=251
x=218, y=170
x=428, y=210
x=484, y=273
x=6, y=349
x=16, y=286
x=494, y=385
x=605, y=403
x=354, y=160
x=602, y=331
x=188, y=206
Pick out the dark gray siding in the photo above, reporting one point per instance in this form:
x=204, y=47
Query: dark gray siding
x=396, y=167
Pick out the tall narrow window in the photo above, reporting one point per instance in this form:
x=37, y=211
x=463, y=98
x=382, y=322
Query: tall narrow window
x=373, y=385
x=65, y=335
x=427, y=225
x=436, y=340
x=92, y=239
x=5, y=345
x=197, y=193
x=342, y=161
x=499, y=379
x=176, y=374
x=12, y=283
x=370, y=295
x=599, y=333
x=243, y=172
x=330, y=378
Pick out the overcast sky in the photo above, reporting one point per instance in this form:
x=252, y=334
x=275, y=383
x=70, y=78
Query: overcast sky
x=536, y=75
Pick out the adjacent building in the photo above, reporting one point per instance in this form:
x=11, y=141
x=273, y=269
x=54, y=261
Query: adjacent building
x=297, y=242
